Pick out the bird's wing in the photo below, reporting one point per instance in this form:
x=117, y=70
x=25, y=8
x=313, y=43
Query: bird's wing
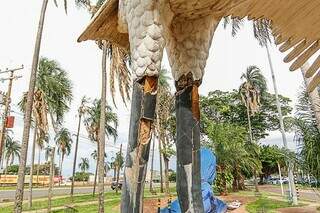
x=295, y=26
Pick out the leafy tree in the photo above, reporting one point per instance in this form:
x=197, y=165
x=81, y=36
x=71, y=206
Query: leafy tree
x=64, y=141
x=308, y=133
x=84, y=166
x=28, y=110
x=223, y=106
x=270, y=157
x=251, y=90
x=172, y=176
x=12, y=150
x=228, y=141
x=164, y=110
x=81, y=176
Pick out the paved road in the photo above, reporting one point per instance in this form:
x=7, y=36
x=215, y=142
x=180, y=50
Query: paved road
x=43, y=192
x=307, y=194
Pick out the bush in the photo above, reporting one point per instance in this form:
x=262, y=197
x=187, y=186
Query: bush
x=81, y=176
x=172, y=176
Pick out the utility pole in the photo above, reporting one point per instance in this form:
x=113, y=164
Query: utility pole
x=293, y=192
x=7, y=103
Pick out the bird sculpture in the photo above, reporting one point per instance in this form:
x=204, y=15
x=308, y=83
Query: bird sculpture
x=143, y=28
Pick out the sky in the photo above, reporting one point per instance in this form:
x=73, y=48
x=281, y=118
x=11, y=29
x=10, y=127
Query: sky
x=229, y=57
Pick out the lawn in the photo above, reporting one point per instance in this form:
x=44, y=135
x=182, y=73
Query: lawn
x=264, y=204
x=41, y=204
x=112, y=200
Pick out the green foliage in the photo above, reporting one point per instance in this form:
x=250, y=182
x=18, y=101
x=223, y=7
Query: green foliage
x=270, y=156
x=92, y=121
x=53, y=81
x=308, y=133
x=12, y=149
x=81, y=176
x=63, y=141
x=12, y=170
x=84, y=164
x=223, y=182
x=172, y=176
x=221, y=106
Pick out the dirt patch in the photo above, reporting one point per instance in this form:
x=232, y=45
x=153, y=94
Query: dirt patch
x=244, y=200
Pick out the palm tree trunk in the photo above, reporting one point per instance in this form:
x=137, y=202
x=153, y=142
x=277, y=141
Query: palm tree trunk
x=188, y=147
x=60, y=164
x=281, y=185
x=38, y=166
x=6, y=171
x=143, y=106
x=27, y=116
x=118, y=171
x=102, y=130
x=60, y=170
x=313, y=96
x=152, y=157
x=160, y=161
x=251, y=141
x=166, y=174
x=75, y=157
x=96, y=172
x=284, y=138
x=51, y=183
x=95, y=180
x=32, y=164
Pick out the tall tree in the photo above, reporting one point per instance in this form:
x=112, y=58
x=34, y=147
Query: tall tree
x=251, y=89
x=64, y=142
x=83, y=166
x=28, y=111
x=309, y=134
x=92, y=123
x=39, y=113
x=12, y=150
x=313, y=96
x=27, y=119
x=119, y=163
x=164, y=109
x=81, y=111
x=118, y=68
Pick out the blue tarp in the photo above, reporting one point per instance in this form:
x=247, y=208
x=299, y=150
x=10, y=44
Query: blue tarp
x=208, y=174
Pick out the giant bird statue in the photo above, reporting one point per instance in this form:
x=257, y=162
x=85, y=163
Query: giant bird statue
x=185, y=28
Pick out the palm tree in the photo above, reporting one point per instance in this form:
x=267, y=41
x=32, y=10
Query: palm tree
x=27, y=119
x=64, y=141
x=12, y=150
x=81, y=111
x=94, y=156
x=118, y=67
x=83, y=165
x=313, y=96
x=262, y=32
x=92, y=123
x=165, y=105
x=39, y=112
x=251, y=90
x=119, y=163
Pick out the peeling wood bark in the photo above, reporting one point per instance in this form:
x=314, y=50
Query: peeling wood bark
x=142, y=116
x=188, y=150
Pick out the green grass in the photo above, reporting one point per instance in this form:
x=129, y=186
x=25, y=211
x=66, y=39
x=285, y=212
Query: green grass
x=111, y=198
x=110, y=207
x=264, y=204
x=41, y=204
